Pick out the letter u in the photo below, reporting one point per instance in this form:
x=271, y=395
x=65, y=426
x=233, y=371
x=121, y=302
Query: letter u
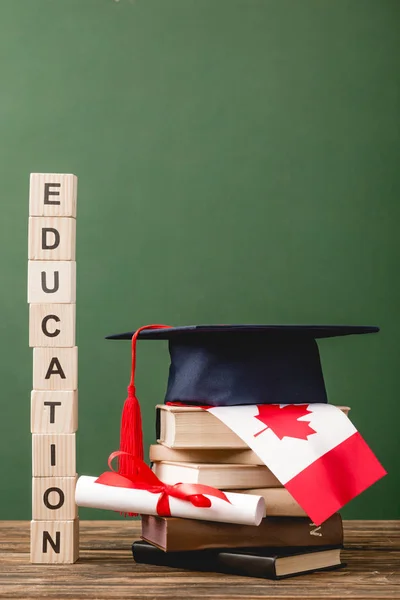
x=56, y=284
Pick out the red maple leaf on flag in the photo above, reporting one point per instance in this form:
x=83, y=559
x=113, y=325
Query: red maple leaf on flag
x=284, y=420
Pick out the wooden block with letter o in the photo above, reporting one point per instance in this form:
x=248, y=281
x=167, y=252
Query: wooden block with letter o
x=51, y=238
x=55, y=368
x=52, y=325
x=55, y=541
x=54, y=411
x=53, y=498
x=51, y=281
x=53, y=455
x=52, y=195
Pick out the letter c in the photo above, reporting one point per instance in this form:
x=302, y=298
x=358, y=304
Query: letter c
x=46, y=332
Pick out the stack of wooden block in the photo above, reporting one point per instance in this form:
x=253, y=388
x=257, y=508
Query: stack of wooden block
x=54, y=399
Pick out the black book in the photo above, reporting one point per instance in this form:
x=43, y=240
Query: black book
x=268, y=563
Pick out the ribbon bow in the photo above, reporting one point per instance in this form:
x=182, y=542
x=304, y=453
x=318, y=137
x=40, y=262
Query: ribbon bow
x=143, y=478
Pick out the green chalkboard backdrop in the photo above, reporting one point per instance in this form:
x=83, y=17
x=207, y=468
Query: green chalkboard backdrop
x=238, y=161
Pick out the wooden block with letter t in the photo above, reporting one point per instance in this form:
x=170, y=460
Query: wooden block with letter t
x=51, y=281
x=51, y=238
x=52, y=325
x=53, y=455
x=55, y=541
x=52, y=195
x=54, y=411
x=55, y=368
x=53, y=499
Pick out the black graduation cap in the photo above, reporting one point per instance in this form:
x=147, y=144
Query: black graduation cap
x=222, y=365
x=225, y=365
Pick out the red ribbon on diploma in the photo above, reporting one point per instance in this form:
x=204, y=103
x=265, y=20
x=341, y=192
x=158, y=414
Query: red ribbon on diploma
x=143, y=478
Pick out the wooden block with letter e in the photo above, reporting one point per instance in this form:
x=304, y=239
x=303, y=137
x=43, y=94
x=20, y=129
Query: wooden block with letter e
x=51, y=238
x=53, y=455
x=55, y=541
x=54, y=411
x=51, y=281
x=53, y=499
x=55, y=368
x=52, y=325
x=52, y=195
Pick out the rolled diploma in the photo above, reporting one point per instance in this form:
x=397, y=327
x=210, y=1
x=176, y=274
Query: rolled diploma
x=243, y=509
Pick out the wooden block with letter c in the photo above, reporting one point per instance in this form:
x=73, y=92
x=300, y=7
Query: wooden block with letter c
x=52, y=325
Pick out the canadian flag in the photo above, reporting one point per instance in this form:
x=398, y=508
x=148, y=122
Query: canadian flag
x=313, y=449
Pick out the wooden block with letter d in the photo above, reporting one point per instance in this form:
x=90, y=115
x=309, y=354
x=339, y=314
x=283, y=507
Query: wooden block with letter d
x=52, y=195
x=51, y=238
x=55, y=541
x=53, y=499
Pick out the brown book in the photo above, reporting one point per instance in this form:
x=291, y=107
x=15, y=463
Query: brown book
x=218, y=475
x=172, y=534
x=278, y=501
x=193, y=427
x=239, y=456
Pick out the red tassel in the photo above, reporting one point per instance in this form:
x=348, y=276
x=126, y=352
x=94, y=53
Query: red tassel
x=131, y=434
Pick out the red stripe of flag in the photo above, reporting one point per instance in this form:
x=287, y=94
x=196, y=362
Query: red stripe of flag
x=335, y=478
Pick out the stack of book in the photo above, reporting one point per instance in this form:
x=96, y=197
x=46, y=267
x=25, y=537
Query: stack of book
x=196, y=447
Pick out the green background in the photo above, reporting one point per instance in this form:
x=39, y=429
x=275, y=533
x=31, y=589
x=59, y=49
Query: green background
x=238, y=161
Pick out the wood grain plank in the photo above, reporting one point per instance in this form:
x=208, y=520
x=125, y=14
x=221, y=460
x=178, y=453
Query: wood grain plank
x=106, y=570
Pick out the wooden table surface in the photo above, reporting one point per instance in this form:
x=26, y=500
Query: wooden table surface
x=106, y=570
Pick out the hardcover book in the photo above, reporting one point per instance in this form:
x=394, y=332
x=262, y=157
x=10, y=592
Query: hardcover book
x=173, y=534
x=221, y=476
x=267, y=563
x=193, y=427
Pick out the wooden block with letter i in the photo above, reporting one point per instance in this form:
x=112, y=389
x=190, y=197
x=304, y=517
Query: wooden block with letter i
x=52, y=195
x=54, y=541
x=53, y=455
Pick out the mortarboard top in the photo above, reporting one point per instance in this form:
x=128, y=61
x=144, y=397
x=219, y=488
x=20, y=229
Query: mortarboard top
x=223, y=365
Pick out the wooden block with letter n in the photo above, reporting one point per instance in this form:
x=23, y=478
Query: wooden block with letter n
x=53, y=455
x=53, y=499
x=52, y=325
x=55, y=541
x=51, y=238
x=55, y=368
x=51, y=281
x=52, y=195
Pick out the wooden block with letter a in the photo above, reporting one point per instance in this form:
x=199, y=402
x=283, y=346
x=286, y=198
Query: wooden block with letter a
x=53, y=455
x=55, y=368
x=52, y=325
x=51, y=281
x=51, y=238
x=53, y=498
x=52, y=195
x=55, y=541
